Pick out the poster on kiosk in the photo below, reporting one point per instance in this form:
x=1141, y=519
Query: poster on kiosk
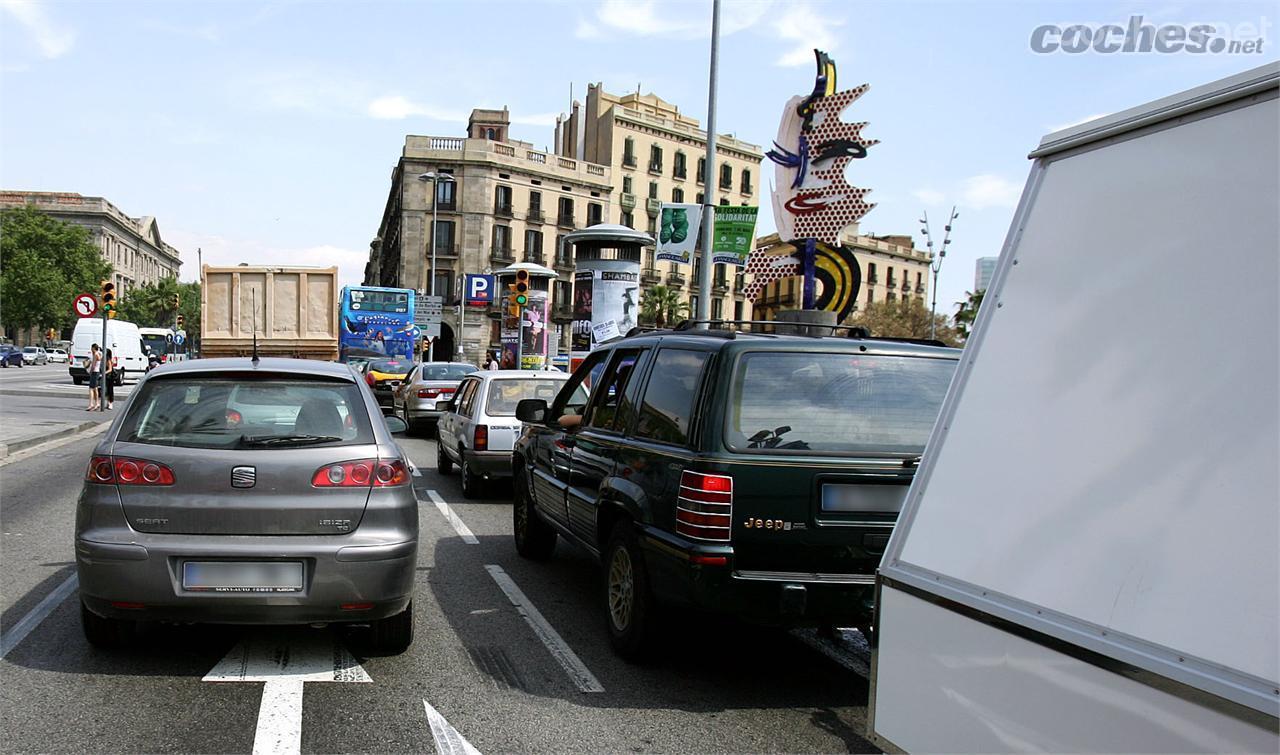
x=605, y=304
x=532, y=353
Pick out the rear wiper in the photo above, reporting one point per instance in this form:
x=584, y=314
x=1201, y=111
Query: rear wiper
x=285, y=440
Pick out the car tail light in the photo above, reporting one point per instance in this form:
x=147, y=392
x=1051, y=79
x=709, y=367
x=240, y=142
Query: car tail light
x=126, y=471
x=368, y=378
x=361, y=473
x=443, y=393
x=480, y=442
x=705, y=506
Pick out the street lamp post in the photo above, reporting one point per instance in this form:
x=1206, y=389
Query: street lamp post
x=436, y=178
x=935, y=264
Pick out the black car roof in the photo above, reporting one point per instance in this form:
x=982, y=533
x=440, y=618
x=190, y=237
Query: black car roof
x=716, y=338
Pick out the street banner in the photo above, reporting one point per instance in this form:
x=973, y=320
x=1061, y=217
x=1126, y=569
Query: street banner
x=733, y=234
x=678, y=232
x=479, y=290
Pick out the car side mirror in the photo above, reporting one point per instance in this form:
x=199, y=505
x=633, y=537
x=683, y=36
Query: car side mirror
x=531, y=410
x=396, y=425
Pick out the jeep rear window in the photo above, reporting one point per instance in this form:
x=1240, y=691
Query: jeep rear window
x=227, y=413
x=786, y=402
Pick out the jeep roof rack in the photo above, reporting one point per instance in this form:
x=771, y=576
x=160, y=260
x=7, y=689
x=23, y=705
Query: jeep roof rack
x=854, y=331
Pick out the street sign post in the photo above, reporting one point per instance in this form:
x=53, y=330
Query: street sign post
x=427, y=315
x=85, y=305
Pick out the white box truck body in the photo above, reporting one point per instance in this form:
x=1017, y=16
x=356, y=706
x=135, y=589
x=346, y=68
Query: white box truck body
x=1087, y=559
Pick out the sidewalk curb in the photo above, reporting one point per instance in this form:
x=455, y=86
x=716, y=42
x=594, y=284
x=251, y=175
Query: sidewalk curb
x=25, y=443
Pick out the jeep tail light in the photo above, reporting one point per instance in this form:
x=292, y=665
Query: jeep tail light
x=361, y=473
x=704, y=507
x=126, y=471
x=481, y=439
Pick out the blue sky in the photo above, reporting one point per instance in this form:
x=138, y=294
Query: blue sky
x=266, y=132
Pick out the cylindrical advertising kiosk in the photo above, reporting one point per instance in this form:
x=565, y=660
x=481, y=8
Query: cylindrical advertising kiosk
x=606, y=285
x=525, y=348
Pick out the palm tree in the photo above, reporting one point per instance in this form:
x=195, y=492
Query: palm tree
x=968, y=312
x=660, y=305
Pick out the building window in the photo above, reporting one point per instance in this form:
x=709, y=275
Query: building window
x=535, y=203
x=628, y=220
x=446, y=199
x=702, y=170
x=563, y=255
x=488, y=134
x=717, y=308
x=532, y=244
x=565, y=217
x=444, y=236
x=653, y=189
x=564, y=294
x=594, y=213
x=680, y=167
x=653, y=226
x=655, y=159
x=871, y=274
x=889, y=279
x=629, y=153
x=919, y=283
x=444, y=285
x=746, y=181
x=700, y=197
x=726, y=176
x=626, y=184
x=502, y=239
x=891, y=296
x=871, y=296
x=677, y=195
x=502, y=201
x=737, y=310
x=724, y=203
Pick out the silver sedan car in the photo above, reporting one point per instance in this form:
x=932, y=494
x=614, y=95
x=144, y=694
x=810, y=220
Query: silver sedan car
x=421, y=398
x=241, y=492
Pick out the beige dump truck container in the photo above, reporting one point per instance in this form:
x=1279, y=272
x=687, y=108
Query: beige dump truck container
x=297, y=311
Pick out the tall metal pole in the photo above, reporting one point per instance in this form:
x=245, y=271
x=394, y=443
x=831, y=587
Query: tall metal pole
x=708, y=196
x=431, y=283
x=102, y=365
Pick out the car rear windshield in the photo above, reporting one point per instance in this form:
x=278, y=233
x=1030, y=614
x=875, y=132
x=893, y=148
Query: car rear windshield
x=505, y=393
x=391, y=366
x=446, y=371
x=224, y=412
x=786, y=402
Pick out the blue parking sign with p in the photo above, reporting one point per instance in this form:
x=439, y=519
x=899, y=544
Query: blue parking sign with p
x=479, y=289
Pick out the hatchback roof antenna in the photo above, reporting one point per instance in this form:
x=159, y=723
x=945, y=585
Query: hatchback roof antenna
x=253, y=294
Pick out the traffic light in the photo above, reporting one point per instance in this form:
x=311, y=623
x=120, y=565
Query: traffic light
x=109, y=298
x=181, y=320
x=522, y=287
x=513, y=308
x=175, y=301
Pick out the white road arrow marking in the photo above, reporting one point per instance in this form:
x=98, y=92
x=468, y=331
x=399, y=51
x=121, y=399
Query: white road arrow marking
x=285, y=663
x=448, y=740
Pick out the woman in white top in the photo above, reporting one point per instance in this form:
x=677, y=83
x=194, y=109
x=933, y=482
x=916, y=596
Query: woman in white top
x=95, y=370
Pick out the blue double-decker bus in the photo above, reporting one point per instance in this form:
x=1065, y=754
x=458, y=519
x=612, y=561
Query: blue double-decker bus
x=377, y=321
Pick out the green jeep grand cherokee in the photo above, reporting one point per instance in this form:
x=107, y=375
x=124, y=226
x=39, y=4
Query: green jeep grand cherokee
x=757, y=475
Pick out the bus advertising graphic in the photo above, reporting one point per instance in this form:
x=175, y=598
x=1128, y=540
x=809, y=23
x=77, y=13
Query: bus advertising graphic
x=377, y=322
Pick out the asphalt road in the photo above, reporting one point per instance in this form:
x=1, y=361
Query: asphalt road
x=38, y=400
x=482, y=672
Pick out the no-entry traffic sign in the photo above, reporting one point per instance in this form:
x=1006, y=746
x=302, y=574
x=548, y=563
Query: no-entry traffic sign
x=85, y=305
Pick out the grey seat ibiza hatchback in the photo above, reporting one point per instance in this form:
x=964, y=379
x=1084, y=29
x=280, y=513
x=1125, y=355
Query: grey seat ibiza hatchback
x=248, y=492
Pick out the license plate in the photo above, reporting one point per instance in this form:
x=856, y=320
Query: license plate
x=242, y=576
x=875, y=499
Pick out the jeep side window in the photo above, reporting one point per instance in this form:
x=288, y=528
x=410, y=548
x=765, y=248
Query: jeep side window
x=604, y=412
x=669, y=395
x=571, y=400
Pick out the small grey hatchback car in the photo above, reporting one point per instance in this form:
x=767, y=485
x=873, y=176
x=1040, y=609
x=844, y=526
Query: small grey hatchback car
x=240, y=492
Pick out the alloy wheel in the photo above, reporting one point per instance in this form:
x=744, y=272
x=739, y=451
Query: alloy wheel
x=621, y=589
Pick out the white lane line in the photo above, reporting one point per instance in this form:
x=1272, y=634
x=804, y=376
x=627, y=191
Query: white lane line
x=279, y=729
x=459, y=526
x=19, y=632
x=448, y=740
x=578, y=672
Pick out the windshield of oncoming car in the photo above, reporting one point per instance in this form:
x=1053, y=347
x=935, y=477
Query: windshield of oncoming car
x=835, y=403
x=226, y=412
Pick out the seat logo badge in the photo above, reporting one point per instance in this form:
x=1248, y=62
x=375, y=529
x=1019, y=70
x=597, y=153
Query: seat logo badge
x=244, y=477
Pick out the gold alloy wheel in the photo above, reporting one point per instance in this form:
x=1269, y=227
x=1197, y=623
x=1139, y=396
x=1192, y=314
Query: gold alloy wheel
x=621, y=589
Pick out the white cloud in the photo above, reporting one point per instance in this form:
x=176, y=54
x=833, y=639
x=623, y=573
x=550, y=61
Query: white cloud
x=221, y=250
x=927, y=196
x=800, y=24
x=1073, y=124
x=980, y=192
x=53, y=39
x=396, y=107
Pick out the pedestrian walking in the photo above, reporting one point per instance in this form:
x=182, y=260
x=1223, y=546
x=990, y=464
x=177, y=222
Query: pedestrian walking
x=493, y=362
x=95, y=367
x=109, y=387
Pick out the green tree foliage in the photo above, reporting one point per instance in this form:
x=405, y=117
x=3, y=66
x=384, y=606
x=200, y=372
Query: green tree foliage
x=44, y=263
x=968, y=312
x=151, y=306
x=662, y=306
x=905, y=318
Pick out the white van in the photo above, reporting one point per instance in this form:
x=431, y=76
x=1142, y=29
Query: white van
x=123, y=340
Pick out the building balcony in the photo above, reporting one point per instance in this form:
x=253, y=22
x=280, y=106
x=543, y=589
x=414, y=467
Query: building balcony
x=447, y=205
x=562, y=313
x=627, y=201
x=655, y=168
x=919, y=288
x=535, y=216
x=503, y=210
x=675, y=279
x=502, y=254
x=536, y=258
x=680, y=174
x=727, y=185
x=628, y=161
x=565, y=221
x=444, y=250
x=564, y=262
x=872, y=280
x=653, y=205
x=651, y=275
x=745, y=190
x=720, y=286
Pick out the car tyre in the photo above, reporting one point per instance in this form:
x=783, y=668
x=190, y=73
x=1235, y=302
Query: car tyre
x=444, y=465
x=471, y=482
x=392, y=635
x=535, y=539
x=105, y=633
x=630, y=608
